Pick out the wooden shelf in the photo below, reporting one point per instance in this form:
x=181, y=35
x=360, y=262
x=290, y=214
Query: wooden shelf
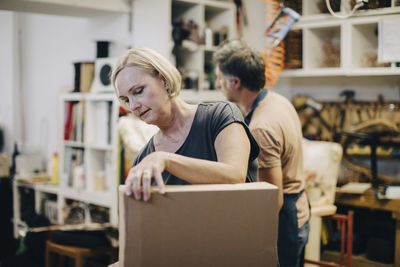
x=333, y=47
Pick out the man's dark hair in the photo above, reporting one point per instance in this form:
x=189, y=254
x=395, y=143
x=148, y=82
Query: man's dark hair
x=236, y=58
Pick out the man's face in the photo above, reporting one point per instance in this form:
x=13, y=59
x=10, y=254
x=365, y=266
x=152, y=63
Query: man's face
x=225, y=84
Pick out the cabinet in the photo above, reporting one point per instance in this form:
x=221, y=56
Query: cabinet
x=193, y=58
x=29, y=198
x=88, y=169
x=214, y=22
x=208, y=24
x=341, y=47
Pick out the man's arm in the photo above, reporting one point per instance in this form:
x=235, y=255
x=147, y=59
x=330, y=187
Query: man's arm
x=273, y=176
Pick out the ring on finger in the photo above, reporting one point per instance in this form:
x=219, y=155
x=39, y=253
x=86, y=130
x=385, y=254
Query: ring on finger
x=146, y=173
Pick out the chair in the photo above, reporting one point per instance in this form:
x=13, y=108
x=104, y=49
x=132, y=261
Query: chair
x=79, y=254
x=321, y=163
x=342, y=221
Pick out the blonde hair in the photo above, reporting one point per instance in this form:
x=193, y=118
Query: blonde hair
x=151, y=62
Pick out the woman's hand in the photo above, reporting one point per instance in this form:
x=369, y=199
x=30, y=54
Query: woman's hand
x=139, y=177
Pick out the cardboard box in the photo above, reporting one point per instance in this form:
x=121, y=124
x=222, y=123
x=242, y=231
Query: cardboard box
x=201, y=225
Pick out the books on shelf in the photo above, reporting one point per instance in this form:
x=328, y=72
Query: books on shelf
x=73, y=121
x=87, y=161
x=74, y=167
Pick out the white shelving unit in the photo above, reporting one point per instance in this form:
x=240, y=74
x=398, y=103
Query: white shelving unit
x=217, y=16
x=342, y=47
x=96, y=153
x=41, y=192
x=158, y=16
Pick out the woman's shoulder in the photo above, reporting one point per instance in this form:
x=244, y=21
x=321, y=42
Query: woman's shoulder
x=220, y=108
x=146, y=150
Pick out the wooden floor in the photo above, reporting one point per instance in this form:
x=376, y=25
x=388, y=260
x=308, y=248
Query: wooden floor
x=358, y=260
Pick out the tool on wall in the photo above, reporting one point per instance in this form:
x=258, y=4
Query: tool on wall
x=282, y=20
x=281, y=25
x=358, y=4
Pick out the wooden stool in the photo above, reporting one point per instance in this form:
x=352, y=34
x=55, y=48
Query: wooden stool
x=346, y=242
x=79, y=254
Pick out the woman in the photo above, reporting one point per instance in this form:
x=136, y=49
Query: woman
x=196, y=144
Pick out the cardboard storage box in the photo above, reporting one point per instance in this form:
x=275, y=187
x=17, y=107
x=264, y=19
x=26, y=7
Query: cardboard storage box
x=201, y=225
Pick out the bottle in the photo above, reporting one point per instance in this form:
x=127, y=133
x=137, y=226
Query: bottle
x=13, y=167
x=208, y=37
x=54, y=167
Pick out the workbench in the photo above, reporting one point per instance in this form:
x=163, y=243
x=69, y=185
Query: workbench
x=368, y=200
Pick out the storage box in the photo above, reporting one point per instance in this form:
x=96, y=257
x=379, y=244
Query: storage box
x=201, y=225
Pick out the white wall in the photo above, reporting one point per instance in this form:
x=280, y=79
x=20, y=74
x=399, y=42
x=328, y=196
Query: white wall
x=253, y=33
x=151, y=25
x=49, y=45
x=7, y=78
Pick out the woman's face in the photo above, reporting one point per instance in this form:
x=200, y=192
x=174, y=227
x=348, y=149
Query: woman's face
x=145, y=94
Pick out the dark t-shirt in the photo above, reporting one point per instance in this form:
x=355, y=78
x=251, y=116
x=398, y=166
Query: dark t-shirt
x=210, y=119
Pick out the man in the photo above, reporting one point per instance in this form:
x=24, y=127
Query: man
x=275, y=125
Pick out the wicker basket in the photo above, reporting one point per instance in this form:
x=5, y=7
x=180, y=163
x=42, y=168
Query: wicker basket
x=293, y=48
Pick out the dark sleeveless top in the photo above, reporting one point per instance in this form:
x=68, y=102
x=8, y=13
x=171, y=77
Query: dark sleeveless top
x=209, y=120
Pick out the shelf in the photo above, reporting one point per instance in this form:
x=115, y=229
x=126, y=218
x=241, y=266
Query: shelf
x=374, y=72
x=317, y=8
x=100, y=97
x=73, y=144
x=88, y=168
x=195, y=97
x=103, y=199
x=213, y=8
x=193, y=58
x=184, y=3
x=207, y=49
x=21, y=224
x=72, y=97
x=48, y=188
x=186, y=10
x=337, y=72
x=324, y=46
x=100, y=147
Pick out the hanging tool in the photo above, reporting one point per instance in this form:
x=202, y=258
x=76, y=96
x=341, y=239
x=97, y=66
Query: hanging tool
x=282, y=19
x=281, y=25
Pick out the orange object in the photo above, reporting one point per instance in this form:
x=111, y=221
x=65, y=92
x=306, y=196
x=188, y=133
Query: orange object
x=274, y=57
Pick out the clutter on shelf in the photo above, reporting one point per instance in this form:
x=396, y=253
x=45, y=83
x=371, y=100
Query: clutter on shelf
x=367, y=130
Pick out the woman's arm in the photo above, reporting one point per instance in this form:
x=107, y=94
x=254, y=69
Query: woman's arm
x=232, y=146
